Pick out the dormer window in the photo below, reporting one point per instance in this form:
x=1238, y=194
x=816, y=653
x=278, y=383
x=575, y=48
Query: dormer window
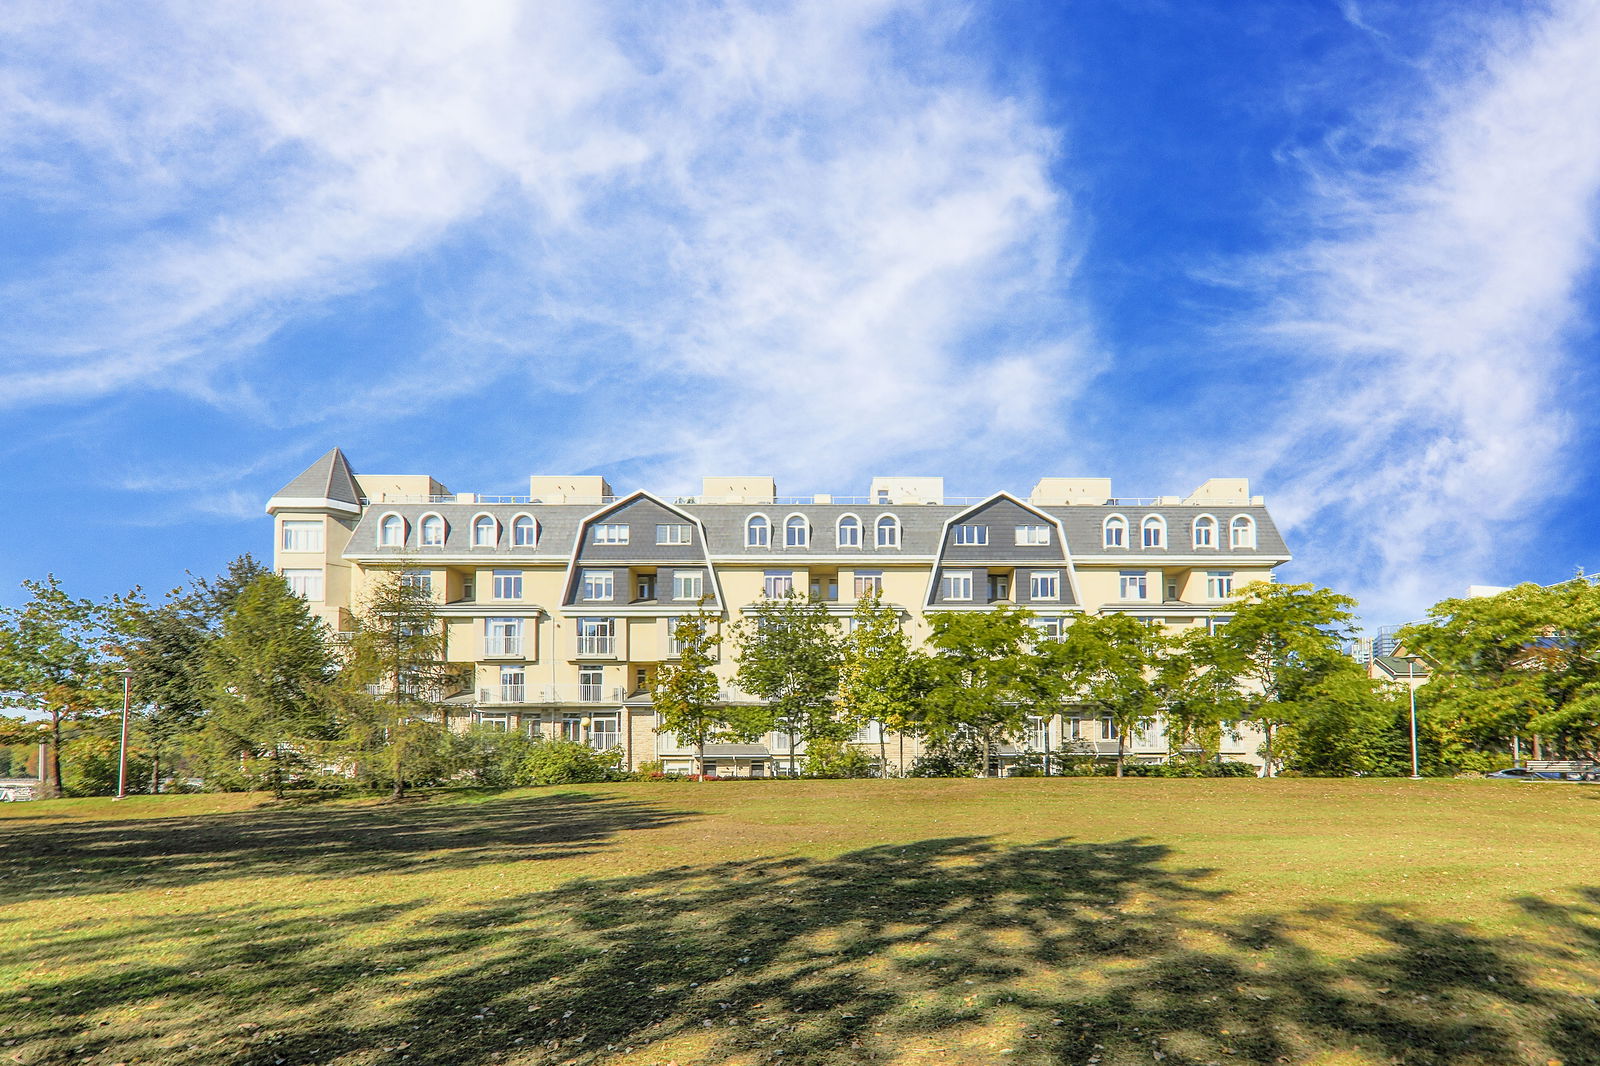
x=1205, y=532
x=972, y=535
x=432, y=531
x=888, y=531
x=524, y=531
x=1243, y=531
x=849, y=531
x=796, y=531
x=485, y=531
x=757, y=531
x=1115, y=532
x=1033, y=535
x=392, y=531
x=1154, y=532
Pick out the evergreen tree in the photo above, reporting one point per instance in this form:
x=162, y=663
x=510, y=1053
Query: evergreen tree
x=981, y=682
x=788, y=650
x=271, y=677
x=164, y=646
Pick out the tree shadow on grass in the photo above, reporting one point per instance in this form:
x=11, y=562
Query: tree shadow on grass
x=75, y=857
x=952, y=951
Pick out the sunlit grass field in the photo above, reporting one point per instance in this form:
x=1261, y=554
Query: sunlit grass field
x=1030, y=921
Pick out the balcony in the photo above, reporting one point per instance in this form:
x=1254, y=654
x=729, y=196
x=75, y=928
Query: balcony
x=546, y=695
x=502, y=647
x=596, y=647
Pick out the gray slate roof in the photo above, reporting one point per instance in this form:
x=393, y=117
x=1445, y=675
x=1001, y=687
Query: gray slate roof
x=329, y=478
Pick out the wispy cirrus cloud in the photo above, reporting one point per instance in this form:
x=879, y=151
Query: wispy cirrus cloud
x=779, y=222
x=1423, y=333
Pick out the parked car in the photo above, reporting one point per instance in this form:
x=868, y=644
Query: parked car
x=1522, y=773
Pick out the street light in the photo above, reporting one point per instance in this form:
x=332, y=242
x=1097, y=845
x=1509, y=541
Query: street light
x=1411, y=688
x=122, y=754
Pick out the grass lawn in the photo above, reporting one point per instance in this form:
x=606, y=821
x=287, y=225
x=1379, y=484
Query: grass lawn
x=1030, y=921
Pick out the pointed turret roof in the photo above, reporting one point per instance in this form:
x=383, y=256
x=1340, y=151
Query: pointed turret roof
x=328, y=483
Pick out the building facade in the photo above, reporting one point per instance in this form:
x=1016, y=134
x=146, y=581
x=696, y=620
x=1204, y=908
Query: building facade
x=561, y=603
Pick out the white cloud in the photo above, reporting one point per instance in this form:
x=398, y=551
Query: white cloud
x=1428, y=325
x=747, y=226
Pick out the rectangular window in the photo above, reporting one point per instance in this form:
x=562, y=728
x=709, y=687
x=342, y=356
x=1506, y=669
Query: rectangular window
x=307, y=584
x=512, y=688
x=778, y=583
x=972, y=534
x=999, y=587
x=1076, y=726
x=688, y=584
x=956, y=585
x=604, y=731
x=591, y=689
x=673, y=534
x=1036, y=736
x=1046, y=627
x=597, y=585
x=1131, y=585
x=1108, y=728
x=610, y=533
x=1044, y=585
x=869, y=582
x=502, y=636
x=1033, y=534
x=417, y=579
x=597, y=636
x=644, y=587
x=302, y=536
x=1219, y=584
x=508, y=584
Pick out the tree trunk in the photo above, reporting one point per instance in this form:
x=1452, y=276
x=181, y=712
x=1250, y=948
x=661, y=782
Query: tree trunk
x=1268, y=727
x=988, y=758
x=1119, y=752
x=794, y=770
x=1538, y=751
x=700, y=759
x=155, y=769
x=883, y=753
x=277, y=774
x=52, y=785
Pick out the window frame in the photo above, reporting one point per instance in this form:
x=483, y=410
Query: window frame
x=770, y=576
x=686, y=527
x=1234, y=540
x=1209, y=524
x=513, y=578
x=873, y=578
x=383, y=529
x=790, y=527
x=699, y=577
x=509, y=632
x=422, y=530
x=590, y=579
x=611, y=537
x=947, y=586
x=1159, y=525
x=878, y=526
x=1143, y=579
x=477, y=527
x=753, y=522
x=1036, y=576
x=1120, y=522
x=516, y=530
x=1025, y=536
x=302, y=525
x=978, y=534
x=854, y=521
x=1219, y=580
x=303, y=575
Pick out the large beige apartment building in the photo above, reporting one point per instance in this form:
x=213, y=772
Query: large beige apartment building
x=561, y=603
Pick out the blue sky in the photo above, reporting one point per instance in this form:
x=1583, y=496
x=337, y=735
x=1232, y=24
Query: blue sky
x=1345, y=249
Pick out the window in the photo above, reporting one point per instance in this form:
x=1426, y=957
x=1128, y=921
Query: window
x=1033, y=534
x=849, y=531
x=1205, y=532
x=508, y=584
x=1244, y=531
x=1050, y=628
x=302, y=536
x=1044, y=585
x=672, y=534
x=307, y=584
x=591, y=689
x=757, y=531
x=485, y=531
x=1116, y=532
x=1076, y=727
x=604, y=731
x=956, y=585
x=972, y=534
x=417, y=579
x=674, y=645
x=432, y=531
x=688, y=584
x=511, y=684
x=1108, y=728
x=869, y=583
x=999, y=587
x=888, y=531
x=494, y=722
x=1219, y=584
x=883, y=495
x=644, y=587
x=1154, y=532
x=1131, y=585
x=778, y=583
x=597, y=636
x=1036, y=735
x=796, y=531
x=597, y=585
x=502, y=636
x=610, y=533
x=524, y=531
x=391, y=531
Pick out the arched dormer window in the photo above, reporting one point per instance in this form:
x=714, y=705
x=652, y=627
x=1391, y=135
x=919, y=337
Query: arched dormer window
x=849, y=531
x=1115, y=531
x=796, y=531
x=524, y=532
x=1243, y=529
x=432, y=531
x=1205, y=532
x=485, y=531
x=392, y=531
x=888, y=531
x=757, y=531
x=1153, y=531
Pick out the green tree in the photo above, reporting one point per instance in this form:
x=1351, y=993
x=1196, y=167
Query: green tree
x=686, y=693
x=393, y=679
x=1346, y=724
x=272, y=679
x=788, y=650
x=1114, y=666
x=52, y=657
x=1280, y=641
x=981, y=682
x=1524, y=662
x=881, y=676
x=1203, y=699
x=164, y=646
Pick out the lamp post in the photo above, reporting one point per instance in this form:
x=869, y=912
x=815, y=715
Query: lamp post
x=122, y=754
x=1411, y=688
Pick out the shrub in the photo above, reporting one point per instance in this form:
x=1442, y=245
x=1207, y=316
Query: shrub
x=830, y=758
x=566, y=762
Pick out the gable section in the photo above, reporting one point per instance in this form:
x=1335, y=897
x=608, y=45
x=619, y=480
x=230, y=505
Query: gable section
x=994, y=559
x=652, y=541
